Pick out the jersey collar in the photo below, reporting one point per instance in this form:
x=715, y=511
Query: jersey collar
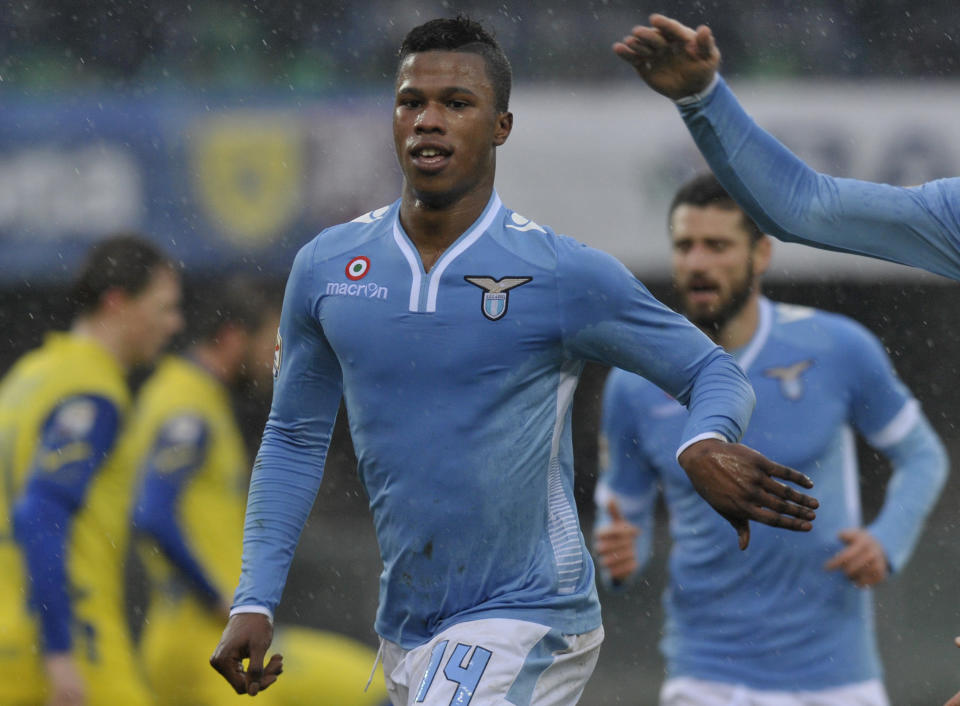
x=424, y=287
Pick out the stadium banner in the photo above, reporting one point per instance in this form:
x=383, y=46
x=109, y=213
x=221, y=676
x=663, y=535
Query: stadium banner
x=232, y=183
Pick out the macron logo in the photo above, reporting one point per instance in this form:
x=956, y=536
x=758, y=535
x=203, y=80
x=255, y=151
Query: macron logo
x=368, y=290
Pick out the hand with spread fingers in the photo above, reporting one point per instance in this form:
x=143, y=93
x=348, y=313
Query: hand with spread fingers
x=862, y=560
x=673, y=59
x=247, y=636
x=740, y=484
x=615, y=544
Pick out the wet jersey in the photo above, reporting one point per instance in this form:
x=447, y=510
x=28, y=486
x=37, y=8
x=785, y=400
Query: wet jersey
x=772, y=617
x=458, y=384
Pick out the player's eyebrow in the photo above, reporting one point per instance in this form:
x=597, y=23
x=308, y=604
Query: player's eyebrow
x=445, y=92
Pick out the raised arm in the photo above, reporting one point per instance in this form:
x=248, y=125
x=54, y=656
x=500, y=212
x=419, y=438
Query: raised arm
x=918, y=226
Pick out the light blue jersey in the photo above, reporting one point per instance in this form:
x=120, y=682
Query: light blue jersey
x=918, y=226
x=458, y=384
x=772, y=617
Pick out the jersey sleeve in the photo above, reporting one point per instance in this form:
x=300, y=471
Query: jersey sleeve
x=608, y=316
x=178, y=452
x=885, y=412
x=76, y=438
x=918, y=226
x=626, y=475
x=289, y=466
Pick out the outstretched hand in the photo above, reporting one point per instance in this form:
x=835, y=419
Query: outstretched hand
x=247, y=635
x=672, y=58
x=738, y=482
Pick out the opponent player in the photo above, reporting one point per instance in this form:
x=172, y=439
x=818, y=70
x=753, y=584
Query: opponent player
x=456, y=330
x=917, y=226
x=185, y=437
x=66, y=496
x=785, y=623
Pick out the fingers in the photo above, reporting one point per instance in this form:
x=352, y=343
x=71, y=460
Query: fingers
x=773, y=519
x=613, y=509
x=704, y=46
x=255, y=668
x=788, y=474
x=230, y=668
x=789, y=495
x=743, y=534
x=273, y=670
x=671, y=29
x=863, y=560
x=956, y=641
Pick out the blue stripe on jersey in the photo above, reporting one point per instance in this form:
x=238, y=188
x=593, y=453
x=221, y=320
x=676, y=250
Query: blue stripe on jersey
x=77, y=436
x=178, y=452
x=917, y=226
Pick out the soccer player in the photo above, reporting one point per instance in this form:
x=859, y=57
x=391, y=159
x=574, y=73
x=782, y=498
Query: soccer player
x=455, y=329
x=185, y=437
x=918, y=226
x=66, y=496
x=786, y=623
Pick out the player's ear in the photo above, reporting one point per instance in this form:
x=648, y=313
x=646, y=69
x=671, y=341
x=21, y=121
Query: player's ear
x=762, y=251
x=502, y=128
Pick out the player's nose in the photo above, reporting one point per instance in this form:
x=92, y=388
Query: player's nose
x=430, y=119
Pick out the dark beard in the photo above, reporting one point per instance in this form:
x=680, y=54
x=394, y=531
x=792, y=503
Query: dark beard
x=713, y=323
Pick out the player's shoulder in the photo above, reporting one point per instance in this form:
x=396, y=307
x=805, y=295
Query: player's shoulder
x=75, y=365
x=525, y=238
x=808, y=327
x=336, y=240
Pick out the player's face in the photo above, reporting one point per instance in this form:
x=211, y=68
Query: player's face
x=445, y=125
x=153, y=316
x=715, y=266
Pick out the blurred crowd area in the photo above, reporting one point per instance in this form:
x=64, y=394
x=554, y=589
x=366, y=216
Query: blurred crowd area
x=327, y=45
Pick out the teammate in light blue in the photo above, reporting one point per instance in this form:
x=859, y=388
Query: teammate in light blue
x=787, y=622
x=918, y=226
x=455, y=329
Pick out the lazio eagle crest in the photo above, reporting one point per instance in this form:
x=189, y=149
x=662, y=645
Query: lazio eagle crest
x=496, y=293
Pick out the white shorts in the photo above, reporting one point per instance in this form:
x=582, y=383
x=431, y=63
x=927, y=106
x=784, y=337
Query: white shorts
x=685, y=691
x=493, y=662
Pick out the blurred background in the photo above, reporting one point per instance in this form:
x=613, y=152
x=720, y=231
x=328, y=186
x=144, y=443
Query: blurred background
x=232, y=132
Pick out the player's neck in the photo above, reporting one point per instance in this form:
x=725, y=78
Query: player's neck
x=107, y=335
x=433, y=228
x=741, y=327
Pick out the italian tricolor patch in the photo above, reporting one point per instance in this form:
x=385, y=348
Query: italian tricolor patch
x=358, y=267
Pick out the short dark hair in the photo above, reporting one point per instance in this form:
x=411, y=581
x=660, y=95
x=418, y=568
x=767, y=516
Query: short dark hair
x=462, y=34
x=241, y=300
x=126, y=261
x=705, y=190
